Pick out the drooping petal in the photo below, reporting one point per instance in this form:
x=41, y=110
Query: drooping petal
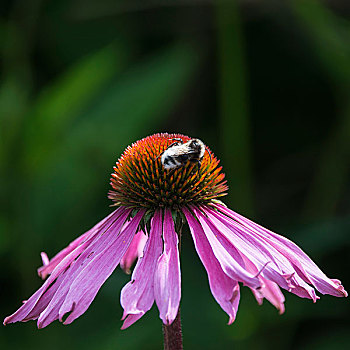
x=47, y=294
x=130, y=319
x=167, y=279
x=268, y=290
x=45, y=299
x=273, y=294
x=305, y=268
x=85, y=287
x=134, y=251
x=277, y=268
x=48, y=266
x=230, y=261
x=137, y=296
x=224, y=289
x=101, y=242
x=44, y=259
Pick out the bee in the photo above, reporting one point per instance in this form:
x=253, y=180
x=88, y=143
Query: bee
x=179, y=153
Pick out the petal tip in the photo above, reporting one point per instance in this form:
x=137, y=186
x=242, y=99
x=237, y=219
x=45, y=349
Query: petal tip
x=230, y=321
x=44, y=258
x=125, y=269
x=340, y=288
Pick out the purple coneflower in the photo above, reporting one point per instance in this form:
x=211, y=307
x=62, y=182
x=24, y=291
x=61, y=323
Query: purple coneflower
x=151, y=206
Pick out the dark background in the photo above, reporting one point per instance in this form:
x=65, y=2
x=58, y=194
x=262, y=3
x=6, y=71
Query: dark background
x=265, y=84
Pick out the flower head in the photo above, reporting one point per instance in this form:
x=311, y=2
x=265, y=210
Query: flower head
x=140, y=181
x=152, y=203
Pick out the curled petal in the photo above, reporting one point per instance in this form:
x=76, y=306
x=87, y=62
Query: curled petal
x=167, y=279
x=230, y=260
x=134, y=251
x=272, y=293
x=86, y=285
x=268, y=290
x=305, y=269
x=137, y=296
x=45, y=302
x=273, y=265
x=94, y=249
x=130, y=319
x=224, y=289
x=44, y=258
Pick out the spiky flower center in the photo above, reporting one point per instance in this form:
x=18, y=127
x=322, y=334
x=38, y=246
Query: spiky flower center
x=140, y=179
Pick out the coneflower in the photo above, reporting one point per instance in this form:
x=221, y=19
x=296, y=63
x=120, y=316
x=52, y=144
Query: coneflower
x=152, y=204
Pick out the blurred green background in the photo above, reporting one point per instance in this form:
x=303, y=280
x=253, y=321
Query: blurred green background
x=266, y=84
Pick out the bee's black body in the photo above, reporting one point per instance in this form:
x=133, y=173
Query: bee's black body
x=179, y=153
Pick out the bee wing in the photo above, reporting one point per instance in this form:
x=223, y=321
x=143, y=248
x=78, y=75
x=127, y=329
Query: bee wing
x=183, y=155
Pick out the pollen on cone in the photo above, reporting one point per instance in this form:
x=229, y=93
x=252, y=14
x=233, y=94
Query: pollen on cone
x=140, y=180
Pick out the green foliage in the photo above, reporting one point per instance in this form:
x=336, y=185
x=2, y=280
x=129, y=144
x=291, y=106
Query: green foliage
x=329, y=36
x=268, y=91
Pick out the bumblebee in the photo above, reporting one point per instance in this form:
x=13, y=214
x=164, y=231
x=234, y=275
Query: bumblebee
x=179, y=153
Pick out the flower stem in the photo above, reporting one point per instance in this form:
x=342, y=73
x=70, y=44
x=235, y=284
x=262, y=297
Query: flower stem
x=173, y=334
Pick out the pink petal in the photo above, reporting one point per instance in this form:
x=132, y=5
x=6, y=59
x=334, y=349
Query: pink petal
x=48, y=266
x=305, y=268
x=273, y=294
x=137, y=296
x=230, y=260
x=268, y=290
x=85, y=287
x=130, y=319
x=44, y=258
x=45, y=299
x=134, y=251
x=89, y=272
x=93, y=248
x=167, y=279
x=264, y=257
x=224, y=289
x=42, y=297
